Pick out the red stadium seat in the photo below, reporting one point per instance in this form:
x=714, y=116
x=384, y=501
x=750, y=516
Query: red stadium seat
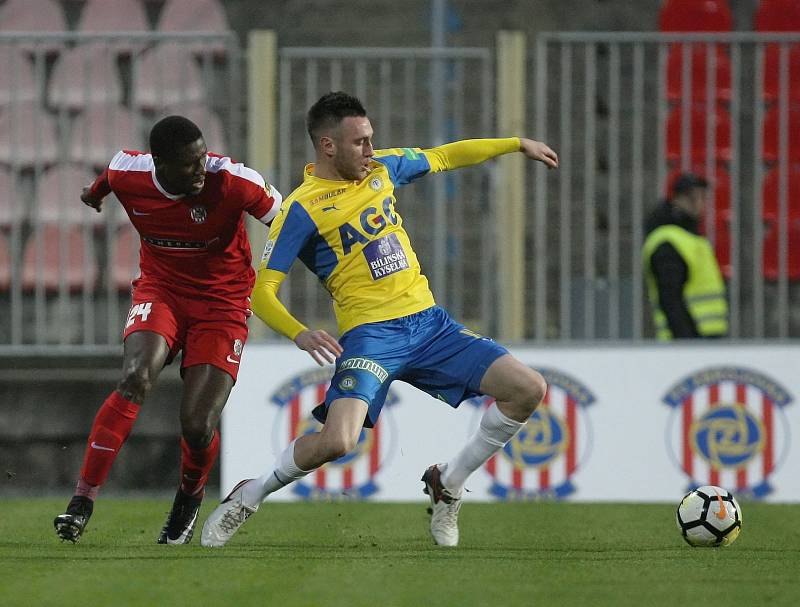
x=167, y=75
x=697, y=140
x=772, y=219
x=58, y=193
x=777, y=16
x=695, y=16
x=722, y=242
x=720, y=184
x=37, y=16
x=125, y=266
x=101, y=131
x=113, y=16
x=84, y=76
x=208, y=121
x=5, y=264
x=12, y=206
x=42, y=263
x=193, y=15
x=698, y=73
x=16, y=77
x=27, y=137
x=771, y=141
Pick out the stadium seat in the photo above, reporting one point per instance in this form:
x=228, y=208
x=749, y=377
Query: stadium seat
x=17, y=83
x=698, y=73
x=126, y=258
x=34, y=16
x=777, y=16
x=84, y=76
x=695, y=16
x=771, y=190
x=193, y=15
x=27, y=137
x=771, y=141
x=58, y=193
x=12, y=206
x=5, y=264
x=697, y=140
x=101, y=131
x=772, y=64
x=113, y=16
x=43, y=264
x=208, y=121
x=722, y=242
x=166, y=75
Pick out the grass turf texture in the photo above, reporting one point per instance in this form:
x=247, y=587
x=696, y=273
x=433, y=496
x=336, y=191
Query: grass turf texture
x=374, y=554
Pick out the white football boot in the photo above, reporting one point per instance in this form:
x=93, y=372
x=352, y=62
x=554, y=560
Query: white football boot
x=227, y=518
x=444, y=508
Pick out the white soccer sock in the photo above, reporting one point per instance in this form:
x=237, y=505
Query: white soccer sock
x=494, y=431
x=286, y=471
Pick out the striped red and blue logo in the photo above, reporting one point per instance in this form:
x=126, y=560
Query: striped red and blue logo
x=541, y=460
x=351, y=476
x=728, y=428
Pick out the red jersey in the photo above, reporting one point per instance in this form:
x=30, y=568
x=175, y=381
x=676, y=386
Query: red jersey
x=196, y=245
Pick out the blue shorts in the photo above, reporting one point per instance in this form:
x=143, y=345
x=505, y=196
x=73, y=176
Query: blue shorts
x=428, y=350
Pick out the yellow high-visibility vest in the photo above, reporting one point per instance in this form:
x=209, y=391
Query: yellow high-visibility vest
x=704, y=291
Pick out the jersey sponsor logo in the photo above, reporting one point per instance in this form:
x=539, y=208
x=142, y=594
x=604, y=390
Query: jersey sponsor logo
x=139, y=213
x=385, y=256
x=364, y=364
x=142, y=310
x=371, y=221
x=199, y=214
x=727, y=428
x=231, y=360
x=101, y=447
x=327, y=196
x=333, y=207
x=167, y=243
x=352, y=476
x=542, y=458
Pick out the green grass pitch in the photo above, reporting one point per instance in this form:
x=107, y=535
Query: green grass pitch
x=353, y=554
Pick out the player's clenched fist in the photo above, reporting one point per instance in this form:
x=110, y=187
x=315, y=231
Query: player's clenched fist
x=320, y=345
x=89, y=200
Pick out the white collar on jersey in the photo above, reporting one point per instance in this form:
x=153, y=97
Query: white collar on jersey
x=161, y=188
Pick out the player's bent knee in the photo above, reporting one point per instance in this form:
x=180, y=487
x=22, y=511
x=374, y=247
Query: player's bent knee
x=135, y=383
x=339, y=445
x=197, y=432
x=532, y=391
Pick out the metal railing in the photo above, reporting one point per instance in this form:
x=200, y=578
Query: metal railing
x=68, y=102
x=608, y=103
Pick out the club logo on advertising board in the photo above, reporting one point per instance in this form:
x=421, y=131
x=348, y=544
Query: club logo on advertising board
x=540, y=461
x=728, y=428
x=349, y=477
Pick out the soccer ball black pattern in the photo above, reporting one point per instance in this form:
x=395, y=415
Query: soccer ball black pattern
x=709, y=517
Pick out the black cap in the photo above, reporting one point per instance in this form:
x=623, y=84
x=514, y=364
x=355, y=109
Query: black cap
x=687, y=181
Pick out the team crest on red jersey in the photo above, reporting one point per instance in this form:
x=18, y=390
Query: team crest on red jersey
x=727, y=428
x=540, y=461
x=349, y=477
x=199, y=214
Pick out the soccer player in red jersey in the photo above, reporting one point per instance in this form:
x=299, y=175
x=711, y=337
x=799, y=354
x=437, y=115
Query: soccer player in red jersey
x=192, y=295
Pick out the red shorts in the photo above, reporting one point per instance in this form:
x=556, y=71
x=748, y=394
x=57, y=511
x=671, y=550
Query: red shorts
x=208, y=332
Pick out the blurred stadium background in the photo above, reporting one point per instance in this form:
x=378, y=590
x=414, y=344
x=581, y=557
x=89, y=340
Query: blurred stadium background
x=628, y=93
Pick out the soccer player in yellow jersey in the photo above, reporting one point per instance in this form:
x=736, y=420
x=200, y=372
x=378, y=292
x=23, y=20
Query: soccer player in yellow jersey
x=343, y=225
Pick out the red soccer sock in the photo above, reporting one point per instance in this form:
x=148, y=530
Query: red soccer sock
x=110, y=430
x=196, y=464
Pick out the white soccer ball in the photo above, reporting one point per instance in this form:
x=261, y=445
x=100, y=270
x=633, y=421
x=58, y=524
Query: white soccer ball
x=709, y=516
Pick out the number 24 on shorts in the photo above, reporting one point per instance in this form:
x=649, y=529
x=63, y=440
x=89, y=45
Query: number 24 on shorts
x=140, y=309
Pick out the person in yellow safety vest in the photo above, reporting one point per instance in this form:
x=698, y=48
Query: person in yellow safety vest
x=684, y=282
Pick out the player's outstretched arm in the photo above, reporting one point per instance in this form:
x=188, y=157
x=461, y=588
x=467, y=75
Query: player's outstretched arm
x=469, y=152
x=266, y=305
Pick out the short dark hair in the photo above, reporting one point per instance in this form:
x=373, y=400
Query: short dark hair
x=330, y=110
x=170, y=134
x=685, y=182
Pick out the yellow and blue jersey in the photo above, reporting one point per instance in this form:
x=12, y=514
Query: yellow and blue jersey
x=352, y=237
